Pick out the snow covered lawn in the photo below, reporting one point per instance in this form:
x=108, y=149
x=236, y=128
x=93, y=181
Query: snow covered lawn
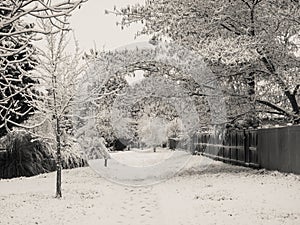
x=220, y=194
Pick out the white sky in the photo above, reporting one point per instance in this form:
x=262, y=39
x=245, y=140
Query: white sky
x=92, y=26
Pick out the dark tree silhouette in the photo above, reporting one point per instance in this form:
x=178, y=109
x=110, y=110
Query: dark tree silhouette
x=16, y=91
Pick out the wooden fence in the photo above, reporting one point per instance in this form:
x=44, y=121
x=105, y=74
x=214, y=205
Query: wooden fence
x=272, y=148
x=235, y=146
x=279, y=149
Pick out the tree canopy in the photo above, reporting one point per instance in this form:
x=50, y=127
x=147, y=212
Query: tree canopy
x=250, y=44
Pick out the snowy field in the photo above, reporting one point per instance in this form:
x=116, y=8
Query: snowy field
x=204, y=192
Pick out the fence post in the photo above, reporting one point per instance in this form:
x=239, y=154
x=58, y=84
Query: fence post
x=246, y=147
x=205, y=138
x=237, y=153
x=230, y=144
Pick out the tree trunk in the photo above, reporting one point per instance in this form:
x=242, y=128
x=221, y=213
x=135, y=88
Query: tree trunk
x=252, y=119
x=58, y=160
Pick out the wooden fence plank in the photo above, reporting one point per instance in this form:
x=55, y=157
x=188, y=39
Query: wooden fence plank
x=236, y=146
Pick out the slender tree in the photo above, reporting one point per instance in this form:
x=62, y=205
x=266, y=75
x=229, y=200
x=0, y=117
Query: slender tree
x=59, y=74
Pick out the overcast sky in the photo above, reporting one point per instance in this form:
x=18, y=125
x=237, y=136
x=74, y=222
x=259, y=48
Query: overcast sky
x=93, y=26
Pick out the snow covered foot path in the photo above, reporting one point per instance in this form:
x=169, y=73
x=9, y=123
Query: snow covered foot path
x=221, y=194
x=143, y=167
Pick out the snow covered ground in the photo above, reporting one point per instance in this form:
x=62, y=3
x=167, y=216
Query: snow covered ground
x=204, y=192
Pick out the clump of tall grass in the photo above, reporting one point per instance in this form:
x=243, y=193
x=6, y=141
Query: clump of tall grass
x=29, y=156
